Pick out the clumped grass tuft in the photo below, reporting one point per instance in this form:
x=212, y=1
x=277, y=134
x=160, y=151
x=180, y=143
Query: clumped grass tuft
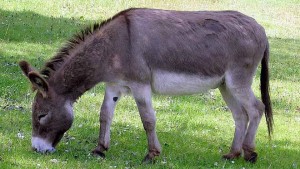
x=194, y=131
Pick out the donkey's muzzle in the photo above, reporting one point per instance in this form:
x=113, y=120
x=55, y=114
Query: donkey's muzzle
x=41, y=145
x=52, y=150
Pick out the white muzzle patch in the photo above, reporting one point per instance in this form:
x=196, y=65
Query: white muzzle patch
x=41, y=145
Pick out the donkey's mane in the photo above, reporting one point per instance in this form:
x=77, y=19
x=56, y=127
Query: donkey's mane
x=63, y=54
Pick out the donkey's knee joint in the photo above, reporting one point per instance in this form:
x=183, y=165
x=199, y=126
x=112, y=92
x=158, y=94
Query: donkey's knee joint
x=105, y=117
x=149, y=125
x=258, y=110
x=260, y=106
x=149, y=122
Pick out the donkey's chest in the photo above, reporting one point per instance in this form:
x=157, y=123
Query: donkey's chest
x=164, y=82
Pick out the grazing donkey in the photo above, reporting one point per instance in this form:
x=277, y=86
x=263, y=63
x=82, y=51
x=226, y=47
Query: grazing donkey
x=168, y=52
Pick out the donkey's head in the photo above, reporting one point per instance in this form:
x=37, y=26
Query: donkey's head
x=52, y=114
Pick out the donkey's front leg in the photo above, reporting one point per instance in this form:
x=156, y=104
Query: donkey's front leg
x=112, y=95
x=142, y=95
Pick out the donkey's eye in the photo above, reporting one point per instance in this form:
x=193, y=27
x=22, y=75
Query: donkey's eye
x=41, y=116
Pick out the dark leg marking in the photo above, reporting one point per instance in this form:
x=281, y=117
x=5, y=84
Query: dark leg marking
x=115, y=99
x=98, y=153
x=148, y=160
x=252, y=158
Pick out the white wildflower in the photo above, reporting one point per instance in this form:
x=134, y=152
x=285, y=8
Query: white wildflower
x=294, y=165
x=54, y=160
x=20, y=135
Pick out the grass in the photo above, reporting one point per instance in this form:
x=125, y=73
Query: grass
x=194, y=131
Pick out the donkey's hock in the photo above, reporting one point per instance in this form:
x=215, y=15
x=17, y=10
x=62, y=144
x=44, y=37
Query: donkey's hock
x=142, y=51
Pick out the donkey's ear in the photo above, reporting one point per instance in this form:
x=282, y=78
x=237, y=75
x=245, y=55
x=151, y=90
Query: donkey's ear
x=39, y=83
x=26, y=68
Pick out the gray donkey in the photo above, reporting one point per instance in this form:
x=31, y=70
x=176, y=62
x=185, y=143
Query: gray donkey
x=147, y=50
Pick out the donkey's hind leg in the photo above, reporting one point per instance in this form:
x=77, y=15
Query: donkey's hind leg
x=112, y=95
x=142, y=96
x=240, y=119
x=254, y=120
x=254, y=109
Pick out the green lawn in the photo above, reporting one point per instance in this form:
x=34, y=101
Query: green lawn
x=194, y=131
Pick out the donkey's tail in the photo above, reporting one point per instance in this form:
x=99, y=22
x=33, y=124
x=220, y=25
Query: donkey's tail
x=264, y=88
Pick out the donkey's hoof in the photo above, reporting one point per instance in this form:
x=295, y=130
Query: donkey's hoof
x=98, y=153
x=231, y=156
x=148, y=160
x=251, y=157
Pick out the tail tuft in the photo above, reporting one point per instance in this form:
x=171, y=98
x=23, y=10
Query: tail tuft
x=264, y=88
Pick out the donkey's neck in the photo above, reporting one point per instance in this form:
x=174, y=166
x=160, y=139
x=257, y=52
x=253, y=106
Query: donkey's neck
x=83, y=69
x=96, y=59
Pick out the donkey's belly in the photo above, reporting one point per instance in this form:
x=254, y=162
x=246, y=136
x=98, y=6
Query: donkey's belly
x=164, y=82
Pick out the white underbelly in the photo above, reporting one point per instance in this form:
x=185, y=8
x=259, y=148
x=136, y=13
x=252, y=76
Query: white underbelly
x=164, y=82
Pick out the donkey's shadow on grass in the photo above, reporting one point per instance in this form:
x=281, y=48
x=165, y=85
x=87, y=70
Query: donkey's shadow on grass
x=31, y=27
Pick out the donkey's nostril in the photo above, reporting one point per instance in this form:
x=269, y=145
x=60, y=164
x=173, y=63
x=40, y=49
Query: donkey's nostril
x=34, y=149
x=45, y=151
x=50, y=150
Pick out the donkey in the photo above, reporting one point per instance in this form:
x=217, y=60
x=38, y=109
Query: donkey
x=145, y=51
